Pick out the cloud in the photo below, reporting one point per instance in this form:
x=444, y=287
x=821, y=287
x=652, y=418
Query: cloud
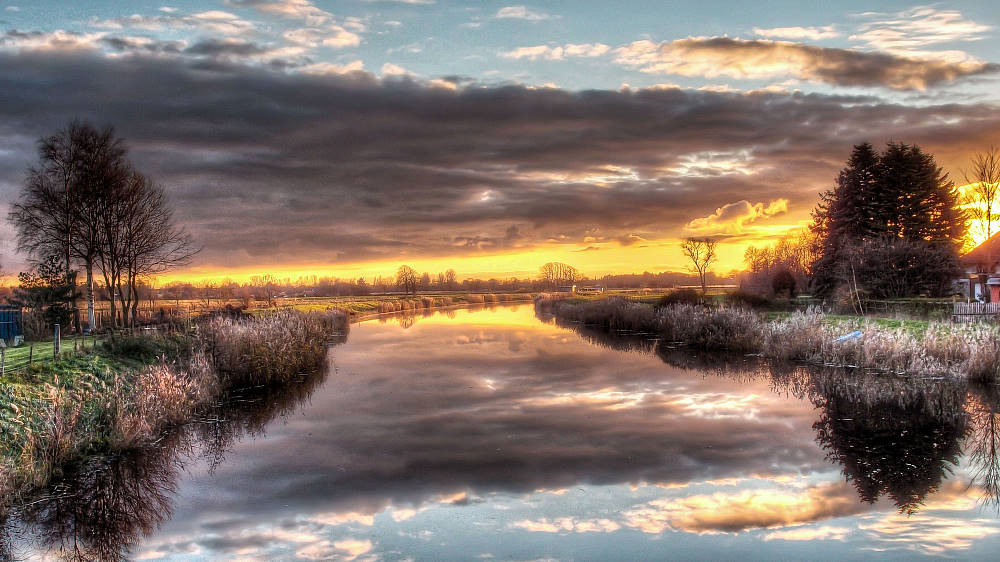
x=212, y=21
x=910, y=30
x=724, y=512
x=927, y=534
x=404, y=165
x=291, y=9
x=733, y=218
x=821, y=533
x=58, y=40
x=333, y=36
x=756, y=59
x=558, y=52
x=521, y=13
x=812, y=33
x=566, y=525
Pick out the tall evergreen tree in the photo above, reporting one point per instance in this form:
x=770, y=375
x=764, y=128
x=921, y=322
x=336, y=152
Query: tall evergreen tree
x=847, y=214
x=898, y=195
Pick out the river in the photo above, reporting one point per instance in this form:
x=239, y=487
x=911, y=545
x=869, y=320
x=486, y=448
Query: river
x=493, y=434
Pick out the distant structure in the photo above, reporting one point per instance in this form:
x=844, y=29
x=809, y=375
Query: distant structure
x=590, y=290
x=11, y=325
x=566, y=289
x=982, y=272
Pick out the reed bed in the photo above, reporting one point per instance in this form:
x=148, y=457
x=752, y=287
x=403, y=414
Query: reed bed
x=966, y=351
x=113, y=401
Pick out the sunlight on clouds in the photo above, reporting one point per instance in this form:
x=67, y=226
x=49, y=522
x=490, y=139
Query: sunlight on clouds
x=749, y=509
x=809, y=534
x=926, y=534
x=712, y=57
x=546, y=52
x=709, y=164
x=321, y=68
x=813, y=33
x=353, y=547
x=720, y=406
x=735, y=218
x=907, y=31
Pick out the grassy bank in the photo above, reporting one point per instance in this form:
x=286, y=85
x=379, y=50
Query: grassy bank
x=932, y=349
x=131, y=389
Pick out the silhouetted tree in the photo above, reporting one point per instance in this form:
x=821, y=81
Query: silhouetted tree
x=554, y=274
x=406, y=279
x=880, y=199
x=701, y=252
x=58, y=210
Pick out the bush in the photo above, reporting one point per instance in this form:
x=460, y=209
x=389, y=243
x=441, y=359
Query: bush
x=748, y=299
x=268, y=349
x=680, y=296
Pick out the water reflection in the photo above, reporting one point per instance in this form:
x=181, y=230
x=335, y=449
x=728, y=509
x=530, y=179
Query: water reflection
x=103, y=507
x=487, y=433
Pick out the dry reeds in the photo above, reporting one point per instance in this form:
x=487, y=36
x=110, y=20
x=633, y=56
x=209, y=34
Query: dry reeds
x=972, y=352
x=268, y=349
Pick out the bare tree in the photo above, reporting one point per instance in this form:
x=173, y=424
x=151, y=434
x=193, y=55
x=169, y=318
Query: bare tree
x=451, y=278
x=406, y=278
x=981, y=199
x=265, y=286
x=59, y=211
x=558, y=273
x=701, y=252
x=984, y=180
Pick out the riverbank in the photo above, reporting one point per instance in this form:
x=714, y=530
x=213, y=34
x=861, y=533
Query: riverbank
x=130, y=389
x=970, y=351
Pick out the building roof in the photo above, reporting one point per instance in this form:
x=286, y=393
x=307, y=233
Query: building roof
x=988, y=251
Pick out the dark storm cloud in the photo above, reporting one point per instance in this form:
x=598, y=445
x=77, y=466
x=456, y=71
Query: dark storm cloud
x=279, y=167
x=738, y=58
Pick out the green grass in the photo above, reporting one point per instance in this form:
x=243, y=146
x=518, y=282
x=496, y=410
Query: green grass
x=17, y=357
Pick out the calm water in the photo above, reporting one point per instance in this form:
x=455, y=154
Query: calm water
x=492, y=434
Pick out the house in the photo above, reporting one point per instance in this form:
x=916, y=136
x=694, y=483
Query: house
x=982, y=272
x=566, y=289
x=590, y=290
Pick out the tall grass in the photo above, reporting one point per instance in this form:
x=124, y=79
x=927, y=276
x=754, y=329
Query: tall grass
x=969, y=351
x=69, y=408
x=268, y=349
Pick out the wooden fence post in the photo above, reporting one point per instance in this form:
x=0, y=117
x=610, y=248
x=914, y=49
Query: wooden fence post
x=31, y=354
x=3, y=361
x=56, y=341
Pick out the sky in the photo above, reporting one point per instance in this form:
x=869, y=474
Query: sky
x=345, y=138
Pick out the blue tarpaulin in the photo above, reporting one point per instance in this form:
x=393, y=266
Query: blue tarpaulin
x=11, y=328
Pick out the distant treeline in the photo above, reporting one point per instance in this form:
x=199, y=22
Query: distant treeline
x=266, y=287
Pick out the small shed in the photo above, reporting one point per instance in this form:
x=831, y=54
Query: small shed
x=11, y=325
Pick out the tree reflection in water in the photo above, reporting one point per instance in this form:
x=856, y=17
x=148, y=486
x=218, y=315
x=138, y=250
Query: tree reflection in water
x=983, y=442
x=887, y=448
x=100, y=508
x=892, y=436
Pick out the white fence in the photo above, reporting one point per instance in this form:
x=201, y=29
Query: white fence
x=975, y=311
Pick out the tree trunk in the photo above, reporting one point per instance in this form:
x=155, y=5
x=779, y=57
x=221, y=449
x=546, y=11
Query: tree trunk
x=91, y=320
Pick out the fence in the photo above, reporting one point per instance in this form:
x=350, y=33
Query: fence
x=975, y=311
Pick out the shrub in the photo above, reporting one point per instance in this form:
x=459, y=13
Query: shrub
x=748, y=299
x=680, y=296
x=268, y=349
